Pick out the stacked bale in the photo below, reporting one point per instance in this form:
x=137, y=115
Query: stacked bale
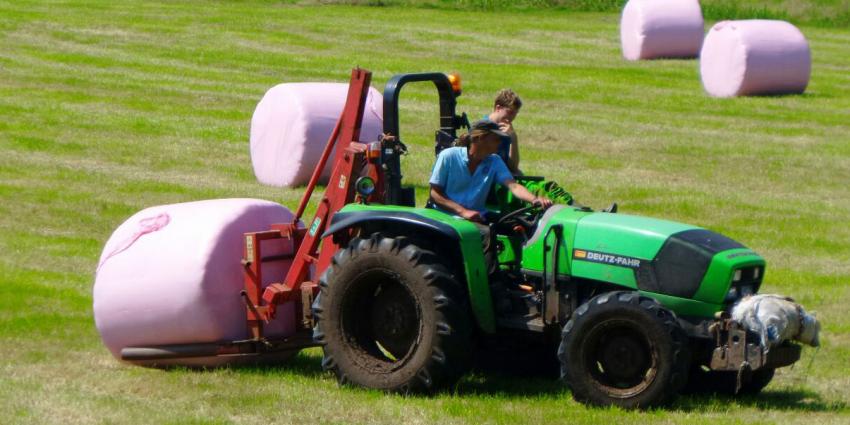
x=652, y=29
x=754, y=57
x=292, y=124
x=171, y=274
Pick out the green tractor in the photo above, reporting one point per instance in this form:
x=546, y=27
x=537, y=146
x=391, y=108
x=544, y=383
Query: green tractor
x=634, y=306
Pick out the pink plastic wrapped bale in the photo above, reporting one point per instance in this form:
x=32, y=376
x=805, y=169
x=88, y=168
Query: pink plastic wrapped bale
x=292, y=124
x=171, y=274
x=755, y=57
x=652, y=29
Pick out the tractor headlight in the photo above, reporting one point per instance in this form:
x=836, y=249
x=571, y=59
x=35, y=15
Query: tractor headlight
x=737, y=292
x=745, y=282
x=364, y=186
x=732, y=295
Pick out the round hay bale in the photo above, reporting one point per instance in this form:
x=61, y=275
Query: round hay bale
x=291, y=126
x=652, y=29
x=755, y=57
x=171, y=274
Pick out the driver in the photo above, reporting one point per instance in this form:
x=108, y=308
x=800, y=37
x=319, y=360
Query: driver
x=463, y=176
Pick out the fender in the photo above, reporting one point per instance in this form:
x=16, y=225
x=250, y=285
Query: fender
x=430, y=221
x=345, y=220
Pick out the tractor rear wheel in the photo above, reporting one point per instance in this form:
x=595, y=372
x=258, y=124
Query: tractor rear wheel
x=390, y=316
x=623, y=349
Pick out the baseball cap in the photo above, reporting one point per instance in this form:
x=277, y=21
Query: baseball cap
x=487, y=126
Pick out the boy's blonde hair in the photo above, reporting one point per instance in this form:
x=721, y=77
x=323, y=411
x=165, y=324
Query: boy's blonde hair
x=506, y=98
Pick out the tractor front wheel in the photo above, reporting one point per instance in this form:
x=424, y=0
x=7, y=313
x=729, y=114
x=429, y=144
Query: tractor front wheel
x=390, y=316
x=623, y=349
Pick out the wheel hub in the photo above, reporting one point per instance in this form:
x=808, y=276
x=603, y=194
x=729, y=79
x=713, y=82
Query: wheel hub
x=623, y=359
x=620, y=359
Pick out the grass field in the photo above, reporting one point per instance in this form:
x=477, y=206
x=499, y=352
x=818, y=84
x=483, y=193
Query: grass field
x=107, y=107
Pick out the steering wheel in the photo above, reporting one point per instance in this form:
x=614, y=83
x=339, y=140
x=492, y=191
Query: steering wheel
x=526, y=217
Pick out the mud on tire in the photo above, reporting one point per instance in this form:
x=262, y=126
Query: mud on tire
x=390, y=316
x=623, y=349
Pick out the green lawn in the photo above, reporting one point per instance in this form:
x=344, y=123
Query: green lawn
x=107, y=107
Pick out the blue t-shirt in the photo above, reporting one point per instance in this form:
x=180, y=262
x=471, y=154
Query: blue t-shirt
x=504, y=145
x=451, y=172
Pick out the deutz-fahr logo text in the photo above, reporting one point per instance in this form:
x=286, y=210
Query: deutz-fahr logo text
x=601, y=257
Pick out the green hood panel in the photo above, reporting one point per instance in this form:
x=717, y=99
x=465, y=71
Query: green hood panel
x=609, y=247
x=627, y=235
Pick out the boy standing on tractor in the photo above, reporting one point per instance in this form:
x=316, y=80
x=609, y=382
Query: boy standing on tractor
x=463, y=176
x=505, y=109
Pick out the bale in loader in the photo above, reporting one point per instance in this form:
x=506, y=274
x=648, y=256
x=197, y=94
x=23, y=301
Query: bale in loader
x=291, y=124
x=170, y=275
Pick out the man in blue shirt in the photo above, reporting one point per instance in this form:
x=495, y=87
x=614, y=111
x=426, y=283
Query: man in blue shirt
x=463, y=176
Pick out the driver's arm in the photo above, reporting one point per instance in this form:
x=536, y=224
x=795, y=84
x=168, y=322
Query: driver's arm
x=439, y=197
x=522, y=193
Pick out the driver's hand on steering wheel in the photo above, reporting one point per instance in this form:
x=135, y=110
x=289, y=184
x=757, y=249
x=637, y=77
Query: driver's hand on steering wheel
x=542, y=201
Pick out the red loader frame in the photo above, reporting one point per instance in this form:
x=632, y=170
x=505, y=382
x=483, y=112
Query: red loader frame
x=352, y=159
x=349, y=162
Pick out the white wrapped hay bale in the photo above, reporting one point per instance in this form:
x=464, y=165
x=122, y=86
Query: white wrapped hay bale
x=652, y=29
x=171, y=274
x=292, y=124
x=755, y=57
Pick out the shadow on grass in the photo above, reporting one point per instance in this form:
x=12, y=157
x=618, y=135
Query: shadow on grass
x=508, y=385
x=304, y=364
x=499, y=376
x=788, y=400
x=490, y=378
x=510, y=378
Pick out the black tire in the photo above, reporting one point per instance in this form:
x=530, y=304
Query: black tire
x=390, y=316
x=623, y=349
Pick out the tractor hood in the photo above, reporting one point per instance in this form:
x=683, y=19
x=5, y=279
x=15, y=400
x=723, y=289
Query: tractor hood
x=680, y=262
x=661, y=257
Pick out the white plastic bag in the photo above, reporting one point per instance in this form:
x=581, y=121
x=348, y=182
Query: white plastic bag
x=777, y=319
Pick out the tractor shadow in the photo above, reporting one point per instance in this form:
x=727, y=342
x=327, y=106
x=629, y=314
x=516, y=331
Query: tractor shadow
x=495, y=374
x=513, y=372
x=508, y=385
x=529, y=374
x=307, y=363
x=778, y=400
